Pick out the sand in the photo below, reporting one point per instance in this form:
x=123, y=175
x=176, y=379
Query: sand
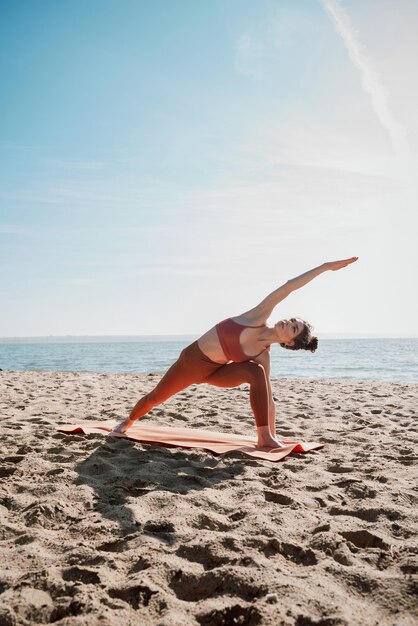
x=100, y=530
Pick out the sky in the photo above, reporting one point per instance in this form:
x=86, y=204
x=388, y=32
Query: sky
x=167, y=164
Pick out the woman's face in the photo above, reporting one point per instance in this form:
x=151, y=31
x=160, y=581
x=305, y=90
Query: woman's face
x=288, y=330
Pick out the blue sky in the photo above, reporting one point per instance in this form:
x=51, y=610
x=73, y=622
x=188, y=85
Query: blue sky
x=164, y=165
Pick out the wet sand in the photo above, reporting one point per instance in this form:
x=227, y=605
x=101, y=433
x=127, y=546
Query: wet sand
x=101, y=530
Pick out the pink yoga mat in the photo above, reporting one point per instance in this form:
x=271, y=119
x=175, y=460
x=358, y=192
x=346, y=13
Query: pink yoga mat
x=192, y=438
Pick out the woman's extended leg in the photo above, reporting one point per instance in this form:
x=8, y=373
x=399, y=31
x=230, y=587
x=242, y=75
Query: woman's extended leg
x=234, y=374
x=191, y=367
x=174, y=380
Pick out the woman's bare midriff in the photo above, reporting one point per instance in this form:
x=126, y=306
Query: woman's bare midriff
x=210, y=345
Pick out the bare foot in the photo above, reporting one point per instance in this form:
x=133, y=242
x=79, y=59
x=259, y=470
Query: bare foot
x=123, y=426
x=270, y=443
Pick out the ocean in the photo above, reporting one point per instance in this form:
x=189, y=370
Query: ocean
x=392, y=360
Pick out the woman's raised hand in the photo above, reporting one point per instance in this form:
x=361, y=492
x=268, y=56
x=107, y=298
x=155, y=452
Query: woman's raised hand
x=337, y=265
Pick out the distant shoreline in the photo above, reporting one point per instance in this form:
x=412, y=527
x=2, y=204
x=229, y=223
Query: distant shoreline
x=150, y=338
x=390, y=359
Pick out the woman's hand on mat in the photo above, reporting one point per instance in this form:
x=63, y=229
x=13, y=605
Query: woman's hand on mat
x=337, y=265
x=123, y=426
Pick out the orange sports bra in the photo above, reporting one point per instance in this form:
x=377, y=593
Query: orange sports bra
x=229, y=333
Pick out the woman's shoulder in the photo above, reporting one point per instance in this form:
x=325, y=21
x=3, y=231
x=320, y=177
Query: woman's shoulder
x=253, y=317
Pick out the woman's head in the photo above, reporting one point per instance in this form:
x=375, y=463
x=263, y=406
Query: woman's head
x=296, y=334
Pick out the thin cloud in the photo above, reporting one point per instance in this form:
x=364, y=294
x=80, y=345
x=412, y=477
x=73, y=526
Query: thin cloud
x=370, y=78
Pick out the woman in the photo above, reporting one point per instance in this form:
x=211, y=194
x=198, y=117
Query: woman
x=236, y=351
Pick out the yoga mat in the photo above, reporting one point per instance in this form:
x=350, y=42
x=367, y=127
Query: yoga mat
x=219, y=443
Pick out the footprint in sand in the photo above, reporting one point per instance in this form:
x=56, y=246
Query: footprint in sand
x=136, y=596
x=140, y=565
x=162, y=530
x=191, y=587
x=205, y=554
x=238, y=515
x=235, y=614
x=364, y=539
x=81, y=575
x=321, y=502
x=7, y=470
x=17, y=458
x=291, y=552
x=279, y=498
x=207, y=522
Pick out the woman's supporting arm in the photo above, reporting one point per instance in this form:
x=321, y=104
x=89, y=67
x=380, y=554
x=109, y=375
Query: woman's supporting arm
x=264, y=360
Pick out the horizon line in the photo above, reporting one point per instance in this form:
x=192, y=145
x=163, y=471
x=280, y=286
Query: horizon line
x=180, y=337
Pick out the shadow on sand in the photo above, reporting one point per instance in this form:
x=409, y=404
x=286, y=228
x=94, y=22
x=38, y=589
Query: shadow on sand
x=120, y=472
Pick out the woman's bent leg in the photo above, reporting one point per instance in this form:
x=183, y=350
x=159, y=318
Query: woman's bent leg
x=235, y=374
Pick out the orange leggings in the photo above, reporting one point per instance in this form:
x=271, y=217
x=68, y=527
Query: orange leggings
x=193, y=366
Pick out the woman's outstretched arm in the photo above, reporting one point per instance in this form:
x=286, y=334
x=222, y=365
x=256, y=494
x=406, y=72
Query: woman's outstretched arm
x=266, y=306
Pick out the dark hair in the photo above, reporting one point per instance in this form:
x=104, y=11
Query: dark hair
x=305, y=340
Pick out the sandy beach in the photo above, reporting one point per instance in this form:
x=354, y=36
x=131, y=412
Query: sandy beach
x=101, y=530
